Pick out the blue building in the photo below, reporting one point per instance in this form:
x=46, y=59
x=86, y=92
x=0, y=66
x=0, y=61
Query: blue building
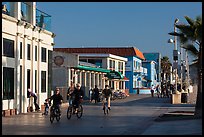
x=157, y=58
x=151, y=73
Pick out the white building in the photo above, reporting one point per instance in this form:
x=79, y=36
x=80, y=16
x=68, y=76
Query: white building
x=27, y=45
x=88, y=70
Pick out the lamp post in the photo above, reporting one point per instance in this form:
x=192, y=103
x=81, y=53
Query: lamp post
x=175, y=53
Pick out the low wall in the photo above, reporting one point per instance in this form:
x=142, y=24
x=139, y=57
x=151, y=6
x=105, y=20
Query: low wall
x=142, y=90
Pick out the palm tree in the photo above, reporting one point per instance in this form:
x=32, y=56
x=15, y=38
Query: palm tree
x=190, y=36
x=165, y=68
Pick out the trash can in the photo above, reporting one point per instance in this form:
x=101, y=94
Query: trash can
x=184, y=97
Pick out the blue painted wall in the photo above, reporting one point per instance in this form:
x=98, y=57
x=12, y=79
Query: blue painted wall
x=157, y=58
x=133, y=76
x=151, y=72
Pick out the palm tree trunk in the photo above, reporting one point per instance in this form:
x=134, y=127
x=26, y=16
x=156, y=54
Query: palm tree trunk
x=198, y=107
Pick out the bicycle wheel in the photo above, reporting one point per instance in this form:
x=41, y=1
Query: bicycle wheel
x=80, y=111
x=57, y=115
x=69, y=112
x=107, y=110
x=51, y=116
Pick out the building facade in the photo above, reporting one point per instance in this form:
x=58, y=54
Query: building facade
x=134, y=62
x=157, y=58
x=151, y=77
x=26, y=55
x=88, y=70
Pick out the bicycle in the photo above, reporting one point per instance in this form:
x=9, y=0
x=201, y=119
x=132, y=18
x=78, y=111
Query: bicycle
x=106, y=110
x=54, y=113
x=71, y=111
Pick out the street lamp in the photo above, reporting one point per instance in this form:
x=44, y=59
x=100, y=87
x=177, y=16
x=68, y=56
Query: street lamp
x=175, y=53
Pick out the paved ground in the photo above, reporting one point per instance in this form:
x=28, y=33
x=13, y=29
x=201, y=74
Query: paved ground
x=135, y=115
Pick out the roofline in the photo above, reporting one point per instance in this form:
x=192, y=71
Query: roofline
x=103, y=55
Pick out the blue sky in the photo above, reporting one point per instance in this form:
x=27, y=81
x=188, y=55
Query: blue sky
x=144, y=25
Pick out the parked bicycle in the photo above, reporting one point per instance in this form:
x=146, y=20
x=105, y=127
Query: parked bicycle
x=71, y=110
x=118, y=95
x=54, y=113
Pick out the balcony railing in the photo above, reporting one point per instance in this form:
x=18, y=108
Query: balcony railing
x=43, y=20
x=26, y=12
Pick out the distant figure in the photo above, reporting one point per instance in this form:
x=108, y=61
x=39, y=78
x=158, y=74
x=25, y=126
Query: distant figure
x=32, y=94
x=152, y=90
x=158, y=90
x=96, y=94
x=91, y=94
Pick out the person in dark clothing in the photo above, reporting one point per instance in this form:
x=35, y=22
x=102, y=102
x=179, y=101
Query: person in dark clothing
x=32, y=94
x=77, y=95
x=57, y=99
x=107, y=93
x=96, y=94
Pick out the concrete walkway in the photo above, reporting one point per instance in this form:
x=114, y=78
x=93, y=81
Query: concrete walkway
x=142, y=120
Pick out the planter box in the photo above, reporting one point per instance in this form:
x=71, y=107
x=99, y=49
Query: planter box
x=42, y=108
x=7, y=113
x=12, y=111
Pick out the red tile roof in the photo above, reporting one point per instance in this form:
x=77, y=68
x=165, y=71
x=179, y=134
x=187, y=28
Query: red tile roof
x=120, y=51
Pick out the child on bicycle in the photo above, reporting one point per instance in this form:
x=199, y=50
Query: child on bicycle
x=46, y=104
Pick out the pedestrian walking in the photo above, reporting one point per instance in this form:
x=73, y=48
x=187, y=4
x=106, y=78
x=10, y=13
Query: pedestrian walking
x=152, y=90
x=96, y=94
x=158, y=90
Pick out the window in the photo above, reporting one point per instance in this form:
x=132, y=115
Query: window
x=97, y=62
x=8, y=83
x=43, y=55
x=49, y=72
x=28, y=51
x=110, y=64
x=43, y=81
x=113, y=65
x=8, y=46
x=36, y=53
x=21, y=46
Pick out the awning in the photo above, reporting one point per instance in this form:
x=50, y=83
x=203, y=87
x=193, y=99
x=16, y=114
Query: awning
x=125, y=79
x=110, y=74
x=115, y=75
x=92, y=69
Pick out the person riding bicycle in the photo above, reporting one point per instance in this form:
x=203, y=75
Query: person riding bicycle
x=57, y=100
x=106, y=96
x=69, y=91
x=77, y=95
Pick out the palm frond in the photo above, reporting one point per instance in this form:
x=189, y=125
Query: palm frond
x=187, y=30
x=175, y=34
x=189, y=20
x=191, y=49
